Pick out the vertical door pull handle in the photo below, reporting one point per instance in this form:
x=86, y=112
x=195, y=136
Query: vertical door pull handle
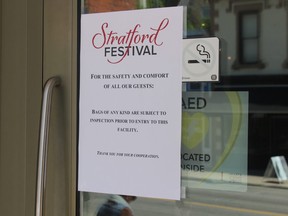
x=43, y=142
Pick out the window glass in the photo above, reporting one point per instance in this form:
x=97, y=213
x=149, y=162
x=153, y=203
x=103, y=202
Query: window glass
x=250, y=51
x=253, y=74
x=249, y=25
x=249, y=38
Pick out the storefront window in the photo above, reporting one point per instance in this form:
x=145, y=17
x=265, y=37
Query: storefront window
x=241, y=143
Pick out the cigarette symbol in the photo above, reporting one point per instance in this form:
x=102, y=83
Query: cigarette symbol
x=203, y=53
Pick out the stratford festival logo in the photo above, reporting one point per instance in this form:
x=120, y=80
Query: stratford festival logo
x=117, y=47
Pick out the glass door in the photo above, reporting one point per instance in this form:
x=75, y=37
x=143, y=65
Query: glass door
x=233, y=156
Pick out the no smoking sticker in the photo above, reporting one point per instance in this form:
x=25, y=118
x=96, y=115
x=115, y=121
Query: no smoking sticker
x=200, y=60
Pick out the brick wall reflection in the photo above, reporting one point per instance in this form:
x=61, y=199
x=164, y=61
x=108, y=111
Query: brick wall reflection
x=96, y=6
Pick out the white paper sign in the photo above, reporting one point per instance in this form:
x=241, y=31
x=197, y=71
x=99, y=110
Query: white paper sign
x=130, y=102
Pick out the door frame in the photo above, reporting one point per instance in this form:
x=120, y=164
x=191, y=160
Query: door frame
x=38, y=41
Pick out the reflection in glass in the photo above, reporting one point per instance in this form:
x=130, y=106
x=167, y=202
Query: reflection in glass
x=254, y=59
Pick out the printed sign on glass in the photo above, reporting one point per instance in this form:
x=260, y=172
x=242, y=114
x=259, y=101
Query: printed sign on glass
x=214, y=140
x=130, y=102
x=201, y=60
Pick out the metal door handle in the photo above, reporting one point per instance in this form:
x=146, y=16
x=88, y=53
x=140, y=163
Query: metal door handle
x=43, y=142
